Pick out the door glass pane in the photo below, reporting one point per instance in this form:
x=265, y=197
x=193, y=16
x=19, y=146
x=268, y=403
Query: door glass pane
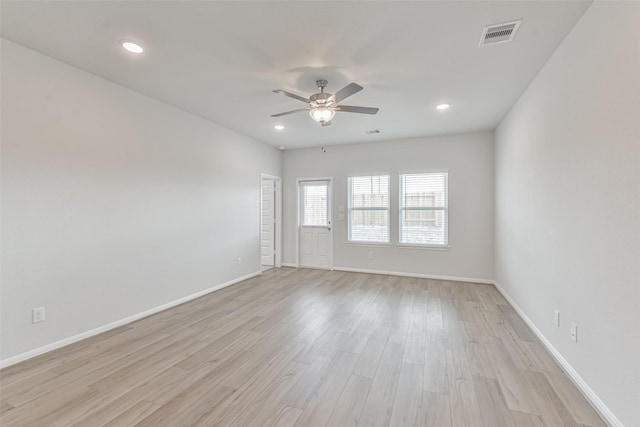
x=314, y=205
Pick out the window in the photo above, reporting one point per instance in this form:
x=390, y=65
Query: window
x=424, y=209
x=314, y=203
x=369, y=209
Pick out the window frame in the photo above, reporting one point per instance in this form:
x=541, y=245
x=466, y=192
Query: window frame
x=444, y=209
x=387, y=242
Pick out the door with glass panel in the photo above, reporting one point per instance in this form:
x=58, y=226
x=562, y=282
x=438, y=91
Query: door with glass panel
x=315, y=230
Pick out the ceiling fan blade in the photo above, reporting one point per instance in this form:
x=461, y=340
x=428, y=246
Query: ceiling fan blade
x=346, y=92
x=292, y=95
x=289, y=112
x=353, y=109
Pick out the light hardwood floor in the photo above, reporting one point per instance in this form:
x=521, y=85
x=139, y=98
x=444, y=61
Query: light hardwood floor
x=306, y=348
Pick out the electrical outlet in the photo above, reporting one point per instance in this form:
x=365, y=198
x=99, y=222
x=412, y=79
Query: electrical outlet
x=239, y=260
x=37, y=315
x=574, y=332
x=556, y=318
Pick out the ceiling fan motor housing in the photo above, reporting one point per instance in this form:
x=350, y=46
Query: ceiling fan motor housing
x=321, y=99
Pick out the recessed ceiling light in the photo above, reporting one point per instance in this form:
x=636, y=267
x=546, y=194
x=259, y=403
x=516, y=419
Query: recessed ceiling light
x=443, y=107
x=278, y=127
x=132, y=47
x=281, y=147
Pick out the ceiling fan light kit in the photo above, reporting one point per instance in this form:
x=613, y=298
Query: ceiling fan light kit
x=322, y=114
x=323, y=106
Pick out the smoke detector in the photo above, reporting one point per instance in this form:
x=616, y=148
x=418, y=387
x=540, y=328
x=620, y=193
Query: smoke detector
x=499, y=33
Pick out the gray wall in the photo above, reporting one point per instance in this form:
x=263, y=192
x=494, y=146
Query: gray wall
x=568, y=202
x=113, y=203
x=469, y=159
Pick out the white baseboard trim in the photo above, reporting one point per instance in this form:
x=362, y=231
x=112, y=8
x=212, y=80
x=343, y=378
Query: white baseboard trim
x=418, y=275
x=289, y=264
x=58, y=344
x=588, y=393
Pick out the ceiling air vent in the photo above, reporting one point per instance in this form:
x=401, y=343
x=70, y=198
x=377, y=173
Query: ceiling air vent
x=499, y=33
x=372, y=131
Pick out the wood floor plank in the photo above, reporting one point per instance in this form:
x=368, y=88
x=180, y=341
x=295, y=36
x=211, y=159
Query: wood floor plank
x=407, y=406
x=480, y=360
x=324, y=400
x=45, y=410
x=255, y=388
x=358, y=340
x=550, y=407
x=4, y=407
x=187, y=405
x=305, y=387
x=112, y=410
x=522, y=419
x=518, y=325
x=512, y=380
x=402, y=317
x=436, y=410
x=372, y=352
x=306, y=348
x=349, y=407
x=379, y=404
x=493, y=406
x=259, y=364
x=231, y=343
x=436, y=377
x=133, y=415
x=20, y=393
x=50, y=360
x=287, y=417
x=465, y=409
x=434, y=314
x=164, y=388
x=261, y=411
x=578, y=407
x=416, y=345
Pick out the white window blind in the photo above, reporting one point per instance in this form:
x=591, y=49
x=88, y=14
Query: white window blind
x=424, y=208
x=369, y=209
x=314, y=204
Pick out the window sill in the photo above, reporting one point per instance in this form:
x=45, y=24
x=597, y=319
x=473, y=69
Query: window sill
x=368, y=244
x=428, y=247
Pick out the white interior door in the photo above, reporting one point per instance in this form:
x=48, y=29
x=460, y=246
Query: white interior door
x=316, y=236
x=267, y=238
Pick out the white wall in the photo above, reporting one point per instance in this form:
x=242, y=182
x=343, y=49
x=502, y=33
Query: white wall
x=113, y=203
x=568, y=202
x=469, y=159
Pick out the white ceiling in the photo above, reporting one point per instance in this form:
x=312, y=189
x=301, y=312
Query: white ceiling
x=221, y=60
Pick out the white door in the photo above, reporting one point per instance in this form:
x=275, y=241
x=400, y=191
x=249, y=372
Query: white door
x=267, y=238
x=316, y=237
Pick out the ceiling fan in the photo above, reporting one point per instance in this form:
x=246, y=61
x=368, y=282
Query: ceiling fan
x=323, y=106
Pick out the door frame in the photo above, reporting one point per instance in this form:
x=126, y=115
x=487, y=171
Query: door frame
x=278, y=220
x=299, y=211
